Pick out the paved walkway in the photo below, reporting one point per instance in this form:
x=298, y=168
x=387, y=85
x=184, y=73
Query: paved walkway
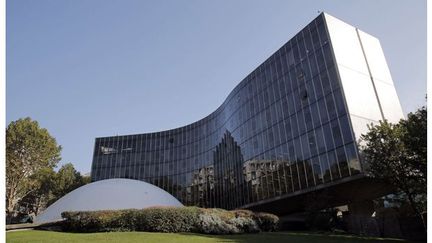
x=14, y=227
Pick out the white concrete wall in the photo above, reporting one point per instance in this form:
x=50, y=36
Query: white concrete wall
x=365, y=77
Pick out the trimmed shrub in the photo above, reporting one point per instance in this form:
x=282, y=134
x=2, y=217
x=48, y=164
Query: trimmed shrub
x=171, y=219
x=267, y=221
x=167, y=219
x=213, y=223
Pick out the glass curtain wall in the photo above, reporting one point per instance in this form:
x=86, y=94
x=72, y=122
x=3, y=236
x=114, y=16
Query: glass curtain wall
x=283, y=129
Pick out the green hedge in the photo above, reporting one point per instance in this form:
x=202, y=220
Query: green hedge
x=171, y=219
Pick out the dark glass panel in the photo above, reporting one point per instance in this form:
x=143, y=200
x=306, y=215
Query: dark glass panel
x=337, y=137
x=325, y=167
x=308, y=41
x=320, y=60
x=340, y=104
x=322, y=34
x=343, y=163
x=323, y=111
x=334, y=167
x=328, y=55
x=310, y=180
x=346, y=129
x=334, y=78
x=353, y=161
x=315, y=38
x=325, y=82
x=315, y=115
x=316, y=165
x=308, y=119
x=318, y=88
x=305, y=146
x=312, y=143
x=331, y=109
x=310, y=91
x=306, y=70
x=296, y=54
x=300, y=122
x=294, y=127
x=302, y=174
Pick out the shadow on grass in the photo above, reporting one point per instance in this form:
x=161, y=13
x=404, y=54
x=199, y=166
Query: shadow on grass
x=298, y=237
x=154, y=237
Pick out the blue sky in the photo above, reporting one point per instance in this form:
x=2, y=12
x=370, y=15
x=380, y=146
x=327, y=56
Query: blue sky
x=92, y=68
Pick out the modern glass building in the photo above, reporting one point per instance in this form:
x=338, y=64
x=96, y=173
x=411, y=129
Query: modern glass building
x=289, y=128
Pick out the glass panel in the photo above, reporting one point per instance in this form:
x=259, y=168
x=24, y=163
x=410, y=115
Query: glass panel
x=318, y=175
x=325, y=168
x=353, y=161
x=309, y=173
x=334, y=167
x=318, y=89
x=331, y=109
x=346, y=129
x=312, y=143
x=336, y=133
x=328, y=136
x=343, y=164
x=323, y=111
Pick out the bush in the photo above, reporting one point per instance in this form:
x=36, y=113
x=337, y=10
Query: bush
x=219, y=221
x=171, y=219
x=321, y=221
x=267, y=221
x=167, y=219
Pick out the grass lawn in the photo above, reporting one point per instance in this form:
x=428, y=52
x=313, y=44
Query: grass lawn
x=48, y=236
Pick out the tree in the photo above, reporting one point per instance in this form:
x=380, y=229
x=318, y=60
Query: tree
x=396, y=153
x=415, y=139
x=42, y=194
x=67, y=179
x=50, y=186
x=29, y=149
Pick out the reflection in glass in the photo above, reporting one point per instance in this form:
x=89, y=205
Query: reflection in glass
x=283, y=129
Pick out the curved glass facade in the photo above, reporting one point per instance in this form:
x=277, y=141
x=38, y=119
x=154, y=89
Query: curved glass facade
x=285, y=128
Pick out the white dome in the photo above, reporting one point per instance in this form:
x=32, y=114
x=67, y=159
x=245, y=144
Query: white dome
x=109, y=194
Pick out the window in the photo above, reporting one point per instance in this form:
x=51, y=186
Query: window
x=340, y=103
x=312, y=143
x=328, y=56
x=343, y=164
x=320, y=60
x=322, y=34
x=346, y=129
x=328, y=136
x=331, y=107
x=353, y=161
x=310, y=91
x=334, y=167
x=315, y=38
x=308, y=119
x=336, y=133
x=323, y=111
x=320, y=140
x=290, y=58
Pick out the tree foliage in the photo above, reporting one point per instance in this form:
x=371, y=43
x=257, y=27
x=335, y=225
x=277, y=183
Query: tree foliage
x=66, y=180
x=396, y=153
x=42, y=193
x=29, y=150
x=414, y=138
x=51, y=186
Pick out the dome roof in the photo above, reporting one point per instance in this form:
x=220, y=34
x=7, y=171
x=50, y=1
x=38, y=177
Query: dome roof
x=109, y=194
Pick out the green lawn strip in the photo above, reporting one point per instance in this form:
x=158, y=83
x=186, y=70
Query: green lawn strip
x=126, y=237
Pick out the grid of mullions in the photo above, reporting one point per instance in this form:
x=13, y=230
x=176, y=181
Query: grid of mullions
x=288, y=116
